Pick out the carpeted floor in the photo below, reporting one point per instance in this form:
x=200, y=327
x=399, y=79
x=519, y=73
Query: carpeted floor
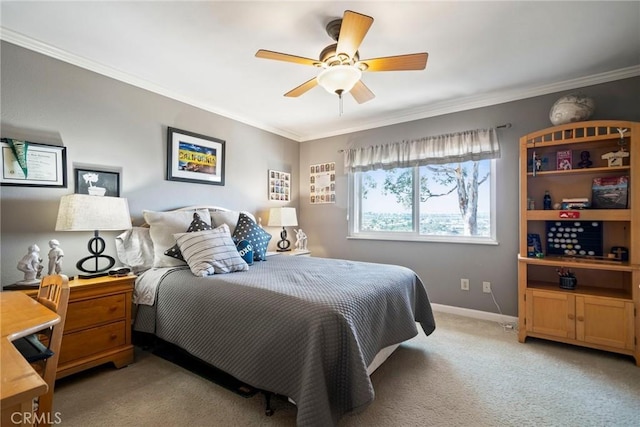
x=468, y=373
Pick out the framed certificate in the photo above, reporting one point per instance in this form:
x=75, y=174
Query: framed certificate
x=32, y=164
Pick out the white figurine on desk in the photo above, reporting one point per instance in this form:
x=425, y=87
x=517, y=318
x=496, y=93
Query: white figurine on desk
x=30, y=266
x=301, y=240
x=55, y=257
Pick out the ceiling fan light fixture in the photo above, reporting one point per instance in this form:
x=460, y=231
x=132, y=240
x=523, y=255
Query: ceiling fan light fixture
x=339, y=78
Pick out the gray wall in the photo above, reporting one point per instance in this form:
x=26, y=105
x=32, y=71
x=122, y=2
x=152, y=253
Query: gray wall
x=442, y=265
x=106, y=123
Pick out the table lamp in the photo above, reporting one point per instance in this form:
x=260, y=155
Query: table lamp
x=81, y=212
x=283, y=217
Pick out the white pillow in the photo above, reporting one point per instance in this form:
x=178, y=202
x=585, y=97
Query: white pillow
x=210, y=251
x=135, y=249
x=225, y=217
x=162, y=227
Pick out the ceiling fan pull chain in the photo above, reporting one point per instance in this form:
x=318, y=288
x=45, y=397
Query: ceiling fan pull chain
x=340, y=109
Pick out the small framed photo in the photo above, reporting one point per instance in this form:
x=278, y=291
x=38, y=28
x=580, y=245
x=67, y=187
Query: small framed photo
x=97, y=182
x=32, y=164
x=279, y=186
x=194, y=158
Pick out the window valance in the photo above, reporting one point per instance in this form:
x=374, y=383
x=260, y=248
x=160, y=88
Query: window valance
x=477, y=144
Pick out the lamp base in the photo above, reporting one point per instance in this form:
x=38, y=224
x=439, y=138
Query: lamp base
x=96, y=248
x=284, y=245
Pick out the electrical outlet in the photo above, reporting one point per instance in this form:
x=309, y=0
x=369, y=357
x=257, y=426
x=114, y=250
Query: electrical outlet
x=486, y=287
x=464, y=284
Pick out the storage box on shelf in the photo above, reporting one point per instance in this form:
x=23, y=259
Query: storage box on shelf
x=602, y=311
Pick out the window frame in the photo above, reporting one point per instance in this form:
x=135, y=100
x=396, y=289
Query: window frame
x=354, y=215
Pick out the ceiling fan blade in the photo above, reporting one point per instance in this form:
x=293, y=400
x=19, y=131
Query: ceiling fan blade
x=414, y=61
x=352, y=31
x=304, y=87
x=361, y=93
x=269, y=54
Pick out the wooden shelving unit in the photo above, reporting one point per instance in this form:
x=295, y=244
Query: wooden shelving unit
x=603, y=310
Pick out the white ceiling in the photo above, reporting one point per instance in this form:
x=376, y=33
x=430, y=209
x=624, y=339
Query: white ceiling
x=202, y=53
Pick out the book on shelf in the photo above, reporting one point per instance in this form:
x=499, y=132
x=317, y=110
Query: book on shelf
x=564, y=160
x=575, y=203
x=575, y=199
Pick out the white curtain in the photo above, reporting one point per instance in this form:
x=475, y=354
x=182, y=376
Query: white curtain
x=477, y=144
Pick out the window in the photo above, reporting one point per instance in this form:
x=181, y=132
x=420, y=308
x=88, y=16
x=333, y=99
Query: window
x=451, y=202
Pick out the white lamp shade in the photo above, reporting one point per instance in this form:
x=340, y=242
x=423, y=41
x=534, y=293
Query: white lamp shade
x=81, y=212
x=339, y=77
x=282, y=217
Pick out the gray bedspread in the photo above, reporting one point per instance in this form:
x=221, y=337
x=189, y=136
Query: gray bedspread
x=302, y=327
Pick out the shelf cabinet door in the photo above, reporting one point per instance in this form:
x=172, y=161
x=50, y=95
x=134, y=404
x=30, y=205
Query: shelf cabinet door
x=605, y=321
x=551, y=313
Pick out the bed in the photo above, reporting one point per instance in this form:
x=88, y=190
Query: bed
x=311, y=329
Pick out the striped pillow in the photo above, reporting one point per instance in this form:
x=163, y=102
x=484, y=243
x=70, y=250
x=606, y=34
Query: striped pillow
x=210, y=251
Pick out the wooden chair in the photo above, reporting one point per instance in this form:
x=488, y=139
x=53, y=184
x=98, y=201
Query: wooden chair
x=53, y=294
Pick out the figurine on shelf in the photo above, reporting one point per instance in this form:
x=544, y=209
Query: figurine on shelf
x=301, y=240
x=615, y=158
x=55, y=257
x=621, y=143
x=585, y=160
x=31, y=266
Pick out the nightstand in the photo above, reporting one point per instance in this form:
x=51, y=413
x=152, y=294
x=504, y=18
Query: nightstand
x=98, y=325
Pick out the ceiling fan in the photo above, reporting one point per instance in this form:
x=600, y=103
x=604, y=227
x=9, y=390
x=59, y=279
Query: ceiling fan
x=341, y=64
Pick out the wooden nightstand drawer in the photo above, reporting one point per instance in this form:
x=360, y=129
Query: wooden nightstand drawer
x=82, y=314
x=91, y=341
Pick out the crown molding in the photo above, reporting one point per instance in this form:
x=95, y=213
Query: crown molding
x=88, y=64
x=485, y=100
x=432, y=110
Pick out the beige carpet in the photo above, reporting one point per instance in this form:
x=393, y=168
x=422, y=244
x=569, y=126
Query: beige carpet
x=468, y=373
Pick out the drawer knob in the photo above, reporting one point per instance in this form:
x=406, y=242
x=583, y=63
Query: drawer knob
x=113, y=337
x=571, y=316
x=113, y=308
x=580, y=318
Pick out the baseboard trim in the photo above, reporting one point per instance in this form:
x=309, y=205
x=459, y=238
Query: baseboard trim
x=475, y=314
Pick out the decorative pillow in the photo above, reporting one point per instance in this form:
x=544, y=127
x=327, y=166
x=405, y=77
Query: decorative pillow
x=246, y=251
x=210, y=251
x=135, y=249
x=196, y=225
x=248, y=230
x=162, y=226
x=225, y=217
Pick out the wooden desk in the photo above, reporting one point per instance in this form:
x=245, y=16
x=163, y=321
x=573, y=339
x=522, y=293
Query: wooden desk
x=20, y=315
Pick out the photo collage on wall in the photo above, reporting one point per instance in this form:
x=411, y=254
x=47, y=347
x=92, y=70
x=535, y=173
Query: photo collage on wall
x=279, y=186
x=322, y=183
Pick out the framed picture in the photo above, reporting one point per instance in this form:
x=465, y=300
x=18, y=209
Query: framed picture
x=322, y=183
x=194, y=158
x=32, y=164
x=279, y=186
x=97, y=182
